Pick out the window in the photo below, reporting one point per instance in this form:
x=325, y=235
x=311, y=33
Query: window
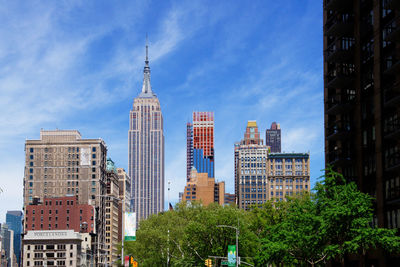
x=93, y=162
x=93, y=149
x=31, y=150
x=93, y=156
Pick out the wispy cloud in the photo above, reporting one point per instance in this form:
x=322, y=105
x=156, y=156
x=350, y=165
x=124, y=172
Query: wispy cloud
x=78, y=64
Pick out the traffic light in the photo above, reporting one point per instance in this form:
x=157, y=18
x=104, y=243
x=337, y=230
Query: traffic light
x=208, y=262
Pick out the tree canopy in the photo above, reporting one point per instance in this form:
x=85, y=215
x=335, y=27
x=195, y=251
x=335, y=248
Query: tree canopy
x=308, y=229
x=189, y=234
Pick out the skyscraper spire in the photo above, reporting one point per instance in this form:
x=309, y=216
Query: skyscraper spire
x=146, y=89
x=147, y=51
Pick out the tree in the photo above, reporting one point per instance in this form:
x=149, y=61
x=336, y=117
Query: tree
x=193, y=235
x=312, y=228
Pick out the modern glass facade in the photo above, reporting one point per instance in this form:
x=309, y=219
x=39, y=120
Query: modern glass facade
x=200, y=143
x=14, y=222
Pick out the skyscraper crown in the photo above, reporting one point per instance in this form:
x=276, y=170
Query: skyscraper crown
x=146, y=88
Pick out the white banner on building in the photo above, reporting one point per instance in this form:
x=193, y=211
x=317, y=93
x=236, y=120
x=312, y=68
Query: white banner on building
x=85, y=156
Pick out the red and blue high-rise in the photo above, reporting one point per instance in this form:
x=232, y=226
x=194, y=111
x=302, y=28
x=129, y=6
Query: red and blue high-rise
x=200, y=143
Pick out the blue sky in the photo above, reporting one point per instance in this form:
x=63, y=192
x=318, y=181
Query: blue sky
x=79, y=64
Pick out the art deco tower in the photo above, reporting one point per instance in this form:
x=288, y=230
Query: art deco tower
x=146, y=151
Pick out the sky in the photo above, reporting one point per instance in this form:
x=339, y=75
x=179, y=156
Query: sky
x=79, y=65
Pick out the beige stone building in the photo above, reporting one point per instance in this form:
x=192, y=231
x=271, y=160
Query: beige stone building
x=125, y=199
x=62, y=163
x=53, y=248
x=289, y=174
x=202, y=188
x=112, y=202
x=261, y=176
x=250, y=168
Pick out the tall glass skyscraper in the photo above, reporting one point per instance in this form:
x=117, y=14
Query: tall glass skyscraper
x=14, y=222
x=200, y=143
x=146, y=151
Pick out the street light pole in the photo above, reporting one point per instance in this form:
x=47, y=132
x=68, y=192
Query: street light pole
x=237, y=240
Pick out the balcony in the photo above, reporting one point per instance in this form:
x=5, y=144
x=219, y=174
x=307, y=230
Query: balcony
x=339, y=78
x=338, y=130
x=339, y=104
x=393, y=195
x=391, y=67
x=340, y=25
x=336, y=53
x=392, y=129
x=391, y=32
x=339, y=157
x=391, y=96
x=392, y=162
x=338, y=5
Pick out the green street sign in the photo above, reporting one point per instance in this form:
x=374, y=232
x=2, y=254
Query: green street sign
x=224, y=263
x=231, y=255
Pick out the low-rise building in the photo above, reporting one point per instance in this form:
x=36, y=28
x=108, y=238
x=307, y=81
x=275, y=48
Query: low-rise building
x=202, y=188
x=52, y=248
x=229, y=199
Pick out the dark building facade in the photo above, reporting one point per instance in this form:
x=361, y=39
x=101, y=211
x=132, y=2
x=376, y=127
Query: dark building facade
x=362, y=104
x=14, y=222
x=273, y=138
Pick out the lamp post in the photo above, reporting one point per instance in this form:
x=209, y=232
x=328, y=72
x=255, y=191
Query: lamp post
x=169, y=183
x=237, y=238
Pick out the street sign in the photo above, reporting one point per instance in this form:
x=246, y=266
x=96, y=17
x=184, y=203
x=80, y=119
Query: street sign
x=224, y=262
x=231, y=255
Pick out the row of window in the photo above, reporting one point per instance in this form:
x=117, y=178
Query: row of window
x=254, y=195
x=288, y=180
x=48, y=247
x=288, y=187
x=49, y=263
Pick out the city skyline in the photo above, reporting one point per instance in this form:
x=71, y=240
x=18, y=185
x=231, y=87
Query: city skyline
x=258, y=67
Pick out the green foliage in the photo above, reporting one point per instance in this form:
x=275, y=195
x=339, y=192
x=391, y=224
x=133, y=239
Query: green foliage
x=308, y=229
x=312, y=228
x=193, y=235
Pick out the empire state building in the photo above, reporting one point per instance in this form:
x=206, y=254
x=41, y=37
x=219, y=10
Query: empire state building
x=146, y=151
